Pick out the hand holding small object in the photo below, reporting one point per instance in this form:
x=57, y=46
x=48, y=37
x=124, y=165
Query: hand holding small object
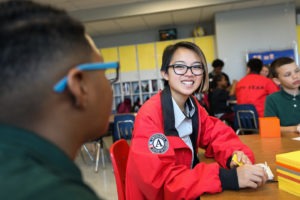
x=250, y=175
x=267, y=170
x=239, y=159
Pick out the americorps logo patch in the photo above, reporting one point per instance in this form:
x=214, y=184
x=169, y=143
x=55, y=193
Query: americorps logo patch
x=158, y=143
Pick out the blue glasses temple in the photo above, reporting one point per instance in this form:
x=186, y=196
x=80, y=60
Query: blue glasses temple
x=61, y=85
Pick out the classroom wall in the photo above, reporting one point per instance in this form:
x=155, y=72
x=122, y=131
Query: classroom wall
x=140, y=37
x=257, y=29
x=235, y=34
x=143, y=61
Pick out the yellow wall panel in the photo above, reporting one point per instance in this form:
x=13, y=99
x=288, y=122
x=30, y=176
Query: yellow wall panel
x=298, y=37
x=146, y=56
x=128, y=58
x=110, y=54
x=207, y=45
x=160, y=47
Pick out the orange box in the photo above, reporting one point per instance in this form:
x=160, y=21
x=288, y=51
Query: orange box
x=269, y=127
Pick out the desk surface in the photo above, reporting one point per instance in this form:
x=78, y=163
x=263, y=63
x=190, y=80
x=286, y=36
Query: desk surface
x=264, y=149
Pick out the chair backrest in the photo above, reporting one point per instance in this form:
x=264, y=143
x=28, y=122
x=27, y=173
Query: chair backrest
x=246, y=118
x=119, y=156
x=123, y=126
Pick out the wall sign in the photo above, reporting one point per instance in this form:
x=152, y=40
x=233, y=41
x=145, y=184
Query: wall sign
x=268, y=56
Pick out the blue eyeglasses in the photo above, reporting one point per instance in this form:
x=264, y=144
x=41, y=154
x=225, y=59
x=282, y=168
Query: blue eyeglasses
x=112, y=75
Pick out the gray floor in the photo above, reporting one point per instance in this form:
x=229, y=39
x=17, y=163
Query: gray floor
x=103, y=181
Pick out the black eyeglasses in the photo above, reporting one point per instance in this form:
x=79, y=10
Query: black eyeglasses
x=111, y=73
x=181, y=69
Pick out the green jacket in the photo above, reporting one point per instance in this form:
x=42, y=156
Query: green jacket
x=284, y=106
x=33, y=168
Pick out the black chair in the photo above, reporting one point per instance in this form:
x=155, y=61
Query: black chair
x=245, y=119
x=123, y=126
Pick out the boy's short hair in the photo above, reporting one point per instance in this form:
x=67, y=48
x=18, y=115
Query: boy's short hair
x=278, y=63
x=39, y=44
x=255, y=65
x=218, y=63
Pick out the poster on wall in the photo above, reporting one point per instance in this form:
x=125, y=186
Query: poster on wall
x=268, y=56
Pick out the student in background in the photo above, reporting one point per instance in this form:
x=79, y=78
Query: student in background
x=125, y=106
x=254, y=88
x=169, y=129
x=285, y=104
x=42, y=126
x=265, y=71
x=217, y=65
x=136, y=105
x=219, y=100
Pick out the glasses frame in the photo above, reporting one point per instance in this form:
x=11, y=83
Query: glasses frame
x=61, y=85
x=187, y=68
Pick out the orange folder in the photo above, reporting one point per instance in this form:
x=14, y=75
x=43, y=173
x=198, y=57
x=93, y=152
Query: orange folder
x=269, y=127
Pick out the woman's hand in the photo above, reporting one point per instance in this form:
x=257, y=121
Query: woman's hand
x=241, y=157
x=251, y=176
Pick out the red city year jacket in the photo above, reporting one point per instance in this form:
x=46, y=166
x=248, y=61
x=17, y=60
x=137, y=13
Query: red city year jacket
x=253, y=89
x=168, y=174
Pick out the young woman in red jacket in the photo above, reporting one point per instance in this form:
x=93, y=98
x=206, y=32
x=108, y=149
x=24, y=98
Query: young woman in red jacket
x=171, y=126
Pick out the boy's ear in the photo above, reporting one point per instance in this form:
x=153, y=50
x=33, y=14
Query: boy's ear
x=248, y=70
x=276, y=80
x=77, y=87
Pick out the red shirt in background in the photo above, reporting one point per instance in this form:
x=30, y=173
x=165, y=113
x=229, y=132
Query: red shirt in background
x=253, y=89
x=125, y=106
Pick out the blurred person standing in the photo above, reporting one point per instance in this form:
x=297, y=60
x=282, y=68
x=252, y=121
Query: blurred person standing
x=254, y=88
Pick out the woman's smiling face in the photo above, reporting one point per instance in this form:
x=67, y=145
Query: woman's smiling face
x=182, y=86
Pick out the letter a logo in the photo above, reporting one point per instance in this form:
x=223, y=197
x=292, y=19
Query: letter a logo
x=158, y=143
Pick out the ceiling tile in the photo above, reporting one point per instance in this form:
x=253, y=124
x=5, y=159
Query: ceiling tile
x=248, y=4
x=188, y=16
x=131, y=23
x=158, y=20
x=155, y=20
x=87, y=4
x=104, y=27
x=208, y=13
